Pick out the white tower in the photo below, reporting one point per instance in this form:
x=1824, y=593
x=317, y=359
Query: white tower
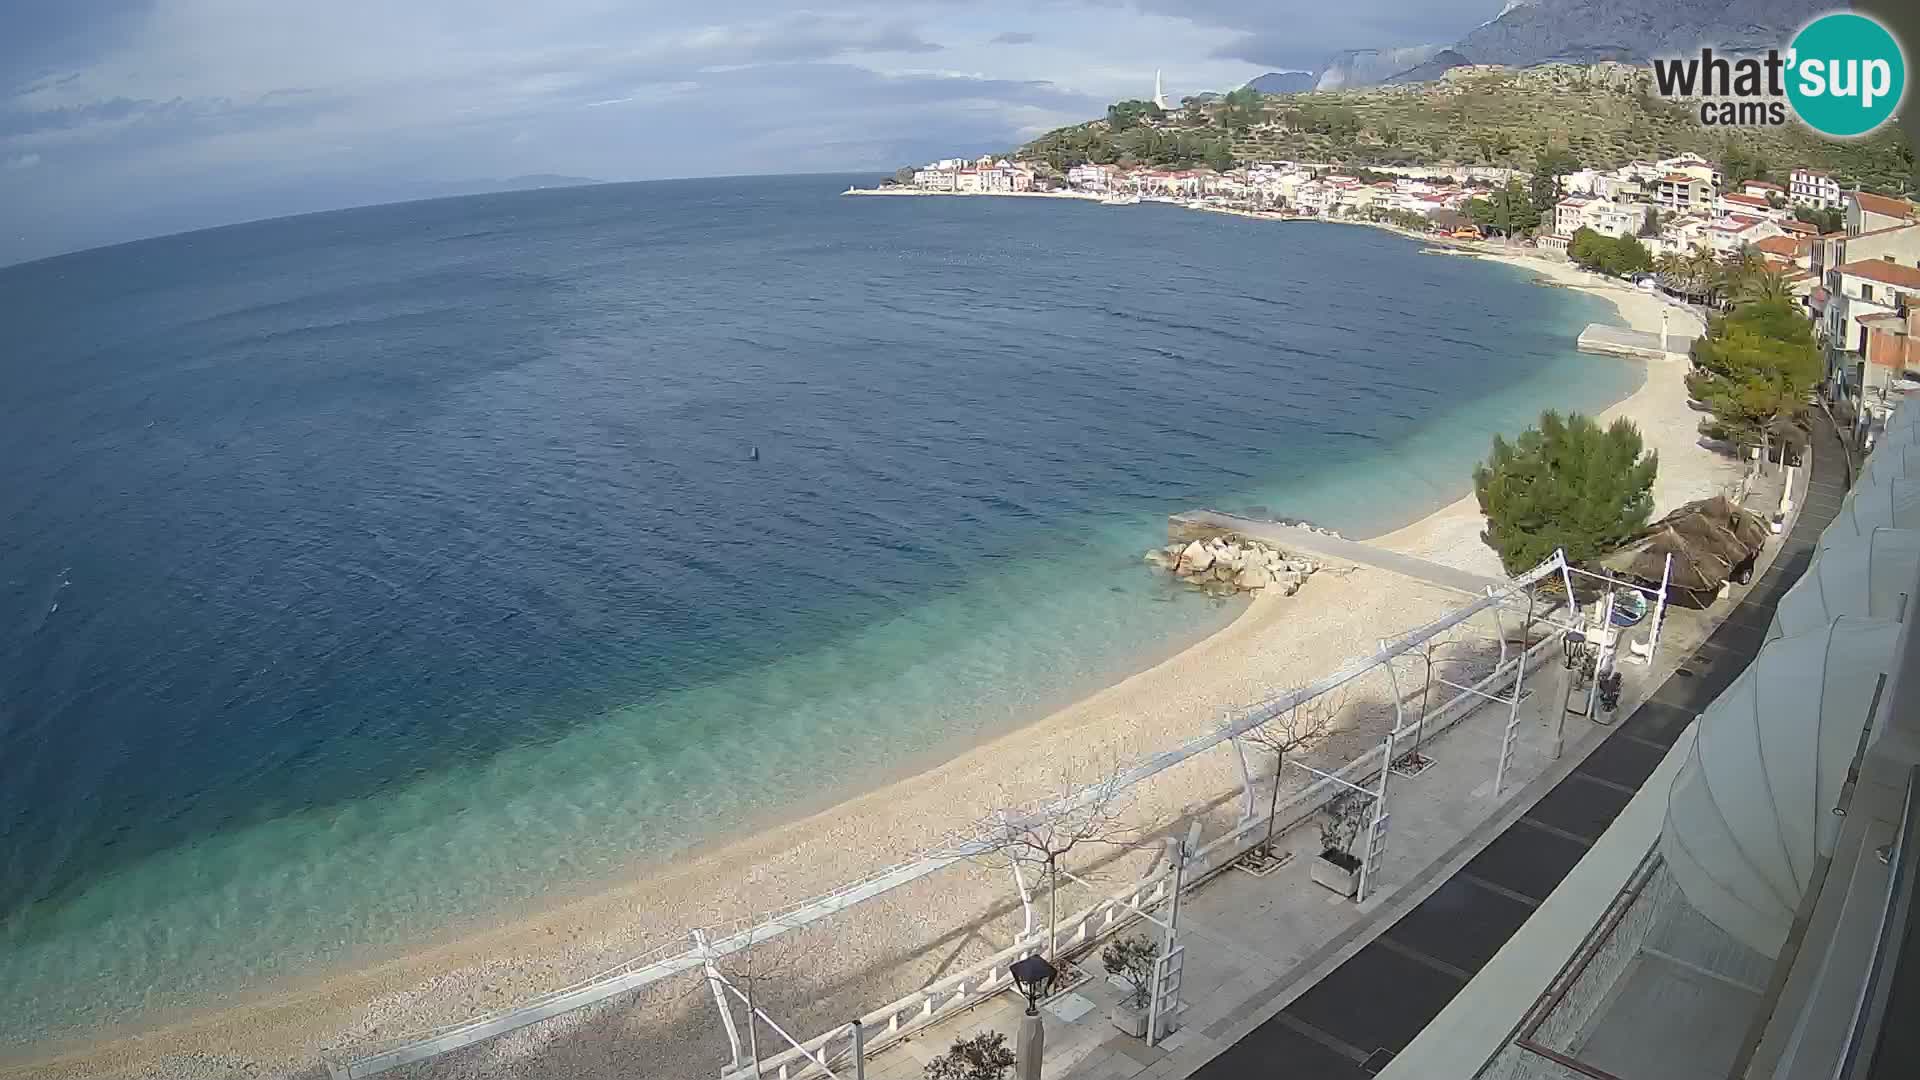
x=1159, y=95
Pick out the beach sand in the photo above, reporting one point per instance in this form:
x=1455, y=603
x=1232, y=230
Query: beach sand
x=1451, y=535
x=841, y=967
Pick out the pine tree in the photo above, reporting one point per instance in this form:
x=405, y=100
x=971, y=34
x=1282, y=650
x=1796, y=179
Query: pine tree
x=1755, y=368
x=1567, y=484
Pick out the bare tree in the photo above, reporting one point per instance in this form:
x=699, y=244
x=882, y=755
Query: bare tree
x=1042, y=834
x=746, y=974
x=1301, y=725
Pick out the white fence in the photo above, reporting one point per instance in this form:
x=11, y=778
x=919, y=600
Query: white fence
x=1085, y=928
x=987, y=977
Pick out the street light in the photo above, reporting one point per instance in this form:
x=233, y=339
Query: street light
x=1034, y=976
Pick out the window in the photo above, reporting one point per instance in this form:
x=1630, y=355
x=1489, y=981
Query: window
x=1866, y=292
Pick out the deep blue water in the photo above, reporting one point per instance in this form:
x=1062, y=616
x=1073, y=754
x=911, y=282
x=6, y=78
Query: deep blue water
x=370, y=571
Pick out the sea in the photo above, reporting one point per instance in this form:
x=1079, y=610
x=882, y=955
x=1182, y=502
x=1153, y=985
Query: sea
x=370, y=573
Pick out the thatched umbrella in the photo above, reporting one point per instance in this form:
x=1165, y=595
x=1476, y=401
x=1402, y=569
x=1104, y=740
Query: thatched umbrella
x=1708, y=540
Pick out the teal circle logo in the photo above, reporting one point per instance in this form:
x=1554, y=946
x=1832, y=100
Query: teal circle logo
x=1845, y=75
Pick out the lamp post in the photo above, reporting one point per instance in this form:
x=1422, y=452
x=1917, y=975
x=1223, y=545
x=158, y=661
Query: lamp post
x=1033, y=975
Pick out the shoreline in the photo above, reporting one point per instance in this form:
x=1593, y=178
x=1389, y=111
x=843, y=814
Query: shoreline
x=1274, y=639
x=1658, y=407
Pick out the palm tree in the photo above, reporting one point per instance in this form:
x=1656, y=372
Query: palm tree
x=1764, y=286
x=1705, y=273
x=1671, y=268
x=1741, y=265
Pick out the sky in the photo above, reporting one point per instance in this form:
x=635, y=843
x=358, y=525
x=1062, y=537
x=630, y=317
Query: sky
x=128, y=118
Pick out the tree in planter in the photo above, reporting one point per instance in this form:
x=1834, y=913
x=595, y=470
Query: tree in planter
x=1567, y=484
x=1300, y=726
x=1131, y=960
x=1042, y=835
x=983, y=1056
x=1340, y=822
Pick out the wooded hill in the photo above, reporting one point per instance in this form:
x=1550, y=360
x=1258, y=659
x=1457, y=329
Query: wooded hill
x=1604, y=114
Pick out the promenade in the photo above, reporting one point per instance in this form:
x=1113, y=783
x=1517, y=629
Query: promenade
x=1283, y=977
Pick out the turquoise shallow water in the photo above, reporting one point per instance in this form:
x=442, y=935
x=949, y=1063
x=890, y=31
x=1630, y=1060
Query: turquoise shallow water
x=382, y=570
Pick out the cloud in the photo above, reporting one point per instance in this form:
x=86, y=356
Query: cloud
x=1304, y=35
x=21, y=161
x=164, y=113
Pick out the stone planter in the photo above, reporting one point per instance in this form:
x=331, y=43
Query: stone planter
x=1338, y=871
x=1129, y=1019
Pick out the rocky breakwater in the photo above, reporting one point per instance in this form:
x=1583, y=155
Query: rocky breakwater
x=1228, y=564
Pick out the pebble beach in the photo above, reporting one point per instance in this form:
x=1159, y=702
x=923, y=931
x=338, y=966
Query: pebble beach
x=906, y=938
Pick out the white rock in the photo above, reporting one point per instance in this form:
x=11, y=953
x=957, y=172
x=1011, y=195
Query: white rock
x=1253, y=577
x=1196, y=558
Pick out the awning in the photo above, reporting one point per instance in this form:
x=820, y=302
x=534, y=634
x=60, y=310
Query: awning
x=1894, y=456
x=1894, y=504
x=1866, y=576
x=1751, y=811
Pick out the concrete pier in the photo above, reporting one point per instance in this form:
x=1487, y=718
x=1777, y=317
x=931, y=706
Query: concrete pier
x=1636, y=344
x=1201, y=524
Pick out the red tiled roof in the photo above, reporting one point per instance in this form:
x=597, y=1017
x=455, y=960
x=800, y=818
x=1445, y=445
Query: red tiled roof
x=1889, y=273
x=1804, y=227
x=1678, y=178
x=1784, y=246
x=1763, y=184
x=1882, y=205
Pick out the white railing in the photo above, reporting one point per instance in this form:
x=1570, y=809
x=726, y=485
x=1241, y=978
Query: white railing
x=1079, y=932
x=962, y=990
x=661, y=963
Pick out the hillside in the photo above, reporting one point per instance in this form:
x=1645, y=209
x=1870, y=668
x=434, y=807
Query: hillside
x=1584, y=31
x=1475, y=115
x=1285, y=82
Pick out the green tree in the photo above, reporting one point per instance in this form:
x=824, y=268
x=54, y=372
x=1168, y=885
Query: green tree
x=1129, y=114
x=1550, y=163
x=1754, y=369
x=1242, y=109
x=1766, y=286
x=1507, y=211
x=1567, y=484
x=1739, y=165
x=1619, y=256
x=1827, y=221
x=1651, y=226
x=1218, y=155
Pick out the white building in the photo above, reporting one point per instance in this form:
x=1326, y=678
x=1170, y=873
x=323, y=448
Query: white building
x=1093, y=177
x=1811, y=187
x=935, y=178
x=1749, y=205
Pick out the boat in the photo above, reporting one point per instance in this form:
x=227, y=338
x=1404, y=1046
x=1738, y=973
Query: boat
x=1120, y=200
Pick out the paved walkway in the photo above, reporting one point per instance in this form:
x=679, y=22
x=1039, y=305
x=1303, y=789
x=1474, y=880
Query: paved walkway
x=1283, y=978
x=1302, y=539
x=1352, y=1022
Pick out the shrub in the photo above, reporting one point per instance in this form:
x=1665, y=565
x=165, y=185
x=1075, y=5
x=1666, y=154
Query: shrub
x=1132, y=959
x=984, y=1056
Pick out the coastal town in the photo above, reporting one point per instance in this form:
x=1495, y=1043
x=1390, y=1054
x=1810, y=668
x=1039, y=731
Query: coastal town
x=1850, y=258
